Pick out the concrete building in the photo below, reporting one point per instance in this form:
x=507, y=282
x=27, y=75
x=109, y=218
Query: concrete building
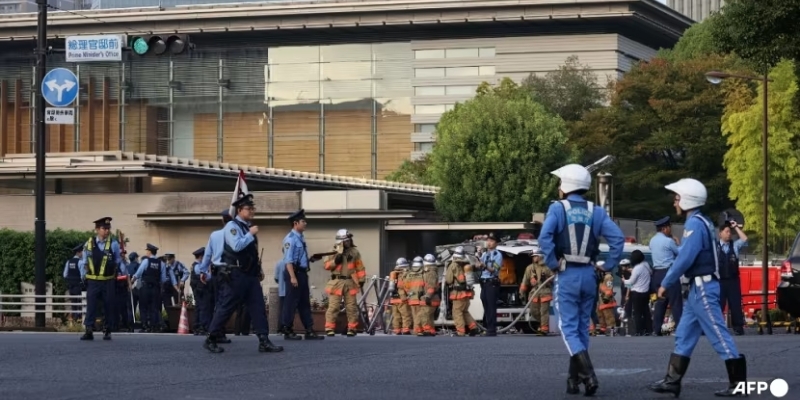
x=30, y=6
x=697, y=10
x=348, y=87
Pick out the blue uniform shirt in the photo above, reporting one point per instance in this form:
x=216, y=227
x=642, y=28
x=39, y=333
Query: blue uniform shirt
x=494, y=259
x=696, y=254
x=81, y=268
x=179, y=267
x=737, y=246
x=166, y=274
x=213, y=254
x=294, y=250
x=602, y=225
x=280, y=268
x=664, y=250
x=115, y=250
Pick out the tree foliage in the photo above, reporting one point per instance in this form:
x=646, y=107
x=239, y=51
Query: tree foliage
x=663, y=124
x=698, y=41
x=494, y=155
x=568, y=92
x=742, y=127
x=412, y=172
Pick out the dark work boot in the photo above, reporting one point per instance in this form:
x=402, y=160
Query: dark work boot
x=586, y=373
x=211, y=344
x=88, y=335
x=573, y=384
x=311, y=335
x=265, y=346
x=671, y=383
x=107, y=334
x=288, y=334
x=222, y=339
x=737, y=372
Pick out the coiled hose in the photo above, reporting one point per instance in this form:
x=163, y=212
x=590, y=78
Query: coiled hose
x=524, y=310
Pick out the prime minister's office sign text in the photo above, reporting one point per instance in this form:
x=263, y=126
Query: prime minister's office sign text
x=94, y=48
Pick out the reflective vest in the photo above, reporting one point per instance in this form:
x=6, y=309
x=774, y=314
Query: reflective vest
x=73, y=272
x=577, y=243
x=708, y=259
x=104, y=258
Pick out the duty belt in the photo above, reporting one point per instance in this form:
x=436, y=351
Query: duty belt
x=341, y=277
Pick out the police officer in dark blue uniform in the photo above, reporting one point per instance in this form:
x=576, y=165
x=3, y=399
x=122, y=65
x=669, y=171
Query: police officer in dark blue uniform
x=730, y=286
x=698, y=263
x=152, y=275
x=241, y=278
x=296, y=263
x=203, y=295
x=74, y=272
x=664, y=249
x=102, y=259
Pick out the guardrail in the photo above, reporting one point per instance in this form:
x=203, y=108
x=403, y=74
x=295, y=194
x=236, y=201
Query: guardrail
x=51, y=305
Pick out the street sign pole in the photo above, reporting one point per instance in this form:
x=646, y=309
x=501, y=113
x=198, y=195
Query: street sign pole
x=40, y=224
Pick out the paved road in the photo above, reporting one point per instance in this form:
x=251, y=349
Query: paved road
x=138, y=367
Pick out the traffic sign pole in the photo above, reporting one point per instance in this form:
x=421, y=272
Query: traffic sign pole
x=40, y=224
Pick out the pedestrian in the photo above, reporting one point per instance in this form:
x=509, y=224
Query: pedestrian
x=730, y=286
x=640, y=293
x=491, y=262
x=212, y=260
x=280, y=270
x=698, y=261
x=241, y=278
x=570, y=240
x=296, y=262
x=74, y=273
x=664, y=249
x=102, y=260
x=151, y=277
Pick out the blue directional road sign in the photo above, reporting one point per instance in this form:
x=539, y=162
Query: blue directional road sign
x=60, y=87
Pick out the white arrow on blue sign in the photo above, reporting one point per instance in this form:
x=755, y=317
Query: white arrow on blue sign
x=60, y=87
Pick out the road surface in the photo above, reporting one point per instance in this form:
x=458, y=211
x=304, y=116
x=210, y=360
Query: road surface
x=141, y=366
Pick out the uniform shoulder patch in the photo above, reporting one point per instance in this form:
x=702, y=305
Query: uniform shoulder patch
x=286, y=245
x=687, y=233
x=233, y=231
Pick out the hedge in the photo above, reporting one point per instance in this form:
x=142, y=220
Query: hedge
x=17, y=251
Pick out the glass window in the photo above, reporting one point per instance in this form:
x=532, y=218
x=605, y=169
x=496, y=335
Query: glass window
x=449, y=107
x=427, y=54
x=462, y=71
x=346, y=71
x=426, y=128
x=345, y=52
x=429, y=72
x=429, y=109
x=307, y=72
x=486, y=71
x=462, y=53
x=294, y=55
x=429, y=90
x=423, y=146
x=465, y=90
x=486, y=52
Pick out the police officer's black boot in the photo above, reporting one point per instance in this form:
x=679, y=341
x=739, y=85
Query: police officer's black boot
x=265, y=346
x=107, y=334
x=311, y=335
x=573, y=382
x=222, y=339
x=211, y=344
x=737, y=372
x=289, y=334
x=88, y=335
x=586, y=373
x=675, y=371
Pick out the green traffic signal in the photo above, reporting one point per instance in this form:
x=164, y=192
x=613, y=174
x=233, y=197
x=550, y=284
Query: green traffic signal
x=140, y=46
x=158, y=45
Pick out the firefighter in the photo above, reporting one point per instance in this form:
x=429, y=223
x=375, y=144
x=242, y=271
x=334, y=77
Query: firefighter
x=432, y=299
x=460, y=279
x=347, y=278
x=534, y=279
x=401, y=312
x=607, y=304
x=414, y=284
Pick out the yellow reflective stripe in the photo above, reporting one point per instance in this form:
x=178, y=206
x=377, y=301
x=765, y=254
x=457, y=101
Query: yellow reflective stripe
x=100, y=276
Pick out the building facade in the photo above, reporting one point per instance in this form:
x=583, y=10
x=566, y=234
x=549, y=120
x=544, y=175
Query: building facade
x=697, y=10
x=355, y=101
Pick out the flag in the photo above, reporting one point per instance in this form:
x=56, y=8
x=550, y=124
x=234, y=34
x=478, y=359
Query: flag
x=238, y=191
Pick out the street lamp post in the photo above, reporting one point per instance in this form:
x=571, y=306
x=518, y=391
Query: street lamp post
x=715, y=78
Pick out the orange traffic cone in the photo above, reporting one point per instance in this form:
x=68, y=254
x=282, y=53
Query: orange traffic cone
x=183, y=325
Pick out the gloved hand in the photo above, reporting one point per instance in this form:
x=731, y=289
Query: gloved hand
x=338, y=259
x=427, y=301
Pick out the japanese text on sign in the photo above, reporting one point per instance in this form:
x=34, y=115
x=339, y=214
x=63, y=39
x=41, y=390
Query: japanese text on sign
x=94, y=48
x=59, y=116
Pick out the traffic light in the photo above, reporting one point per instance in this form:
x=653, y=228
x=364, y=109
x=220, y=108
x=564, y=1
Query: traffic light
x=160, y=44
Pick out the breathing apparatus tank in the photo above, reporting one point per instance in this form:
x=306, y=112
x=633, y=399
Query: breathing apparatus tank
x=460, y=257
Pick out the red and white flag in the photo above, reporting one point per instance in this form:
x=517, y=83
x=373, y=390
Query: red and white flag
x=238, y=192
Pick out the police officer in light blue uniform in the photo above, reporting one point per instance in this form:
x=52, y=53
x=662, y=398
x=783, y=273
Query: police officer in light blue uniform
x=212, y=258
x=491, y=262
x=569, y=240
x=296, y=263
x=153, y=275
x=240, y=278
x=103, y=263
x=698, y=261
x=664, y=249
x=280, y=279
x=181, y=275
x=74, y=273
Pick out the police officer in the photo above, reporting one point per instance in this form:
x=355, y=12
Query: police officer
x=133, y=266
x=241, y=278
x=124, y=313
x=102, y=260
x=203, y=295
x=491, y=262
x=730, y=287
x=212, y=260
x=664, y=249
x=296, y=262
x=153, y=275
x=569, y=240
x=74, y=273
x=698, y=260
x=280, y=271
x=172, y=296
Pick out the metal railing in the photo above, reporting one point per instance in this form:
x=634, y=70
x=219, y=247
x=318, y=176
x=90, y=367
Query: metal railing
x=51, y=305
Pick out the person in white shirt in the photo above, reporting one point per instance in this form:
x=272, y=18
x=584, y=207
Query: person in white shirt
x=640, y=293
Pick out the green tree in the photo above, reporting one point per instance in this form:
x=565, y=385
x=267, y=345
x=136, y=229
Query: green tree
x=743, y=161
x=568, y=92
x=698, y=41
x=412, y=172
x=494, y=155
x=663, y=124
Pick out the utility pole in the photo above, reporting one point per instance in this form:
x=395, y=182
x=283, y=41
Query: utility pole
x=40, y=224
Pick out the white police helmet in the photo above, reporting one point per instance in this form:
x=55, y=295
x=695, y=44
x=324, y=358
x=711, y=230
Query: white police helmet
x=693, y=193
x=573, y=177
x=601, y=264
x=401, y=263
x=342, y=235
x=417, y=262
x=624, y=261
x=458, y=254
x=429, y=259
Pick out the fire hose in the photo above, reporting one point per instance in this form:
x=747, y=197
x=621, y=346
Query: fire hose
x=524, y=310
